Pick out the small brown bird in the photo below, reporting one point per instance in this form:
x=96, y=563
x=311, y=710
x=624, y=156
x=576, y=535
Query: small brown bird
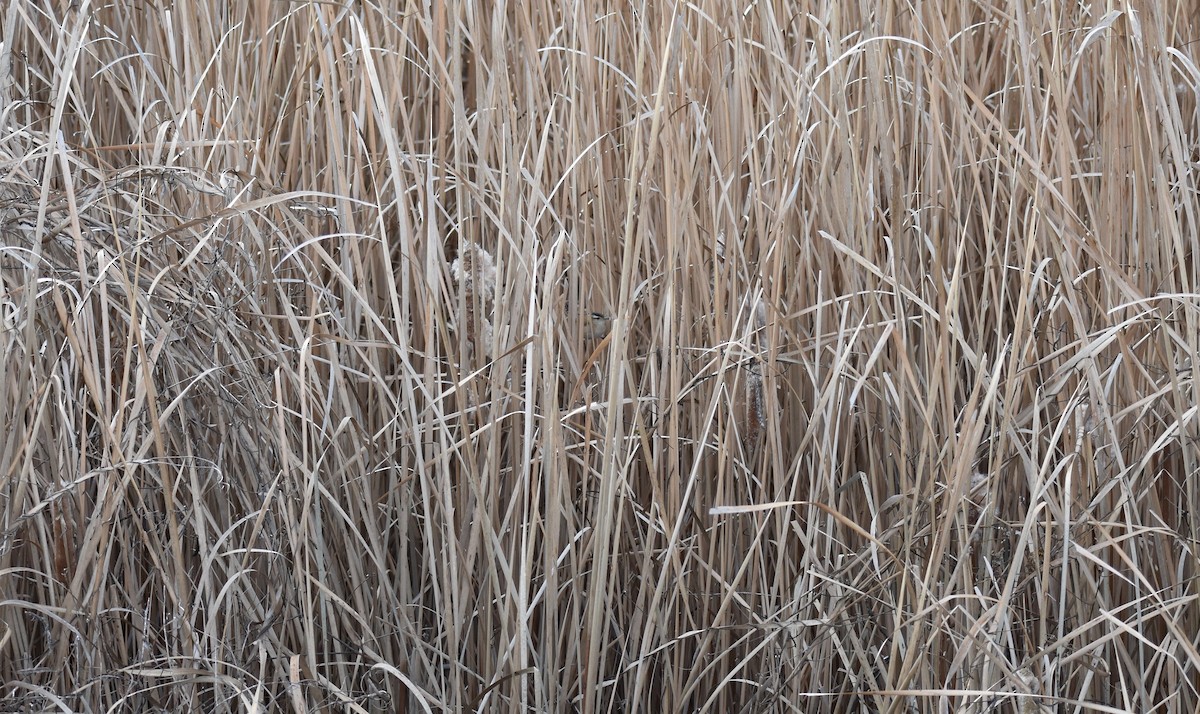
x=596, y=325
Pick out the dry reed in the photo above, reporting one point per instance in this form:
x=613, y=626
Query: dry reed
x=953, y=465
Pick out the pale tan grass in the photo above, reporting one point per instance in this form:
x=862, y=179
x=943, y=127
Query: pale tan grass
x=889, y=405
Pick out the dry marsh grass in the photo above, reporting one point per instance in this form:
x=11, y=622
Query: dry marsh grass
x=896, y=409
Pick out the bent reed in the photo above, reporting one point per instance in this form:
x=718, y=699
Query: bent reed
x=889, y=404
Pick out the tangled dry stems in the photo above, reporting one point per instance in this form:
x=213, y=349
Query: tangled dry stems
x=896, y=410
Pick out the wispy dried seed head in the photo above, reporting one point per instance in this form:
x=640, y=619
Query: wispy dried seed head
x=475, y=272
x=754, y=311
x=750, y=407
x=751, y=412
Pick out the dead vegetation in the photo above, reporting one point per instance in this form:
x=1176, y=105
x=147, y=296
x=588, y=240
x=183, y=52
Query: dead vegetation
x=891, y=404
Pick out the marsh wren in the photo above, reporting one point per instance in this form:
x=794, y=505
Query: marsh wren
x=596, y=325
